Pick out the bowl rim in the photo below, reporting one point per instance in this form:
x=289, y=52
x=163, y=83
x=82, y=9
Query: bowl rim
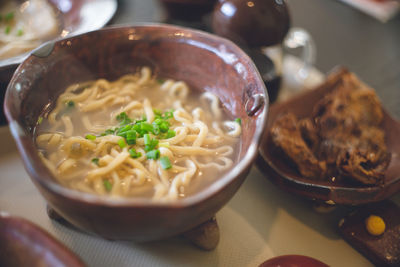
x=200, y=196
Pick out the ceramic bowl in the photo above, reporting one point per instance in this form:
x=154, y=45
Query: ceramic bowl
x=285, y=176
x=204, y=61
x=26, y=244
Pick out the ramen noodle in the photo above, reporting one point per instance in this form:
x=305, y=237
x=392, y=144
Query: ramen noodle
x=137, y=137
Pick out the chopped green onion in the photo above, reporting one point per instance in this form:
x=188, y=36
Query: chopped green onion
x=107, y=185
x=146, y=139
x=153, y=154
x=156, y=129
x=134, y=154
x=108, y=132
x=131, y=137
x=160, y=81
x=96, y=161
x=90, y=137
x=146, y=127
x=123, y=118
x=165, y=163
x=7, y=30
x=164, y=127
x=149, y=143
x=158, y=121
x=70, y=104
x=121, y=143
x=20, y=32
x=157, y=112
x=142, y=120
x=238, y=120
x=9, y=16
x=170, y=134
x=123, y=130
x=40, y=120
x=169, y=114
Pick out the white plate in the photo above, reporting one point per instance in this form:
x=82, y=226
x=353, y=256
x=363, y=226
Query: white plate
x=93, y=14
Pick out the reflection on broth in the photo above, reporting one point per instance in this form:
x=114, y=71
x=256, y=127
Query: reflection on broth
x=137, y=136
x=24, y=25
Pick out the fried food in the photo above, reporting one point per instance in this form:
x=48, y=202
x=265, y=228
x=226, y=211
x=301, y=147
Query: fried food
x=342, y=138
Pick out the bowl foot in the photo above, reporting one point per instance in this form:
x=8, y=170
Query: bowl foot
x=204, y=236
x=55, y=216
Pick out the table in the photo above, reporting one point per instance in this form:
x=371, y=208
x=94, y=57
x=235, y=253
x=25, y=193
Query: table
x=260, y=221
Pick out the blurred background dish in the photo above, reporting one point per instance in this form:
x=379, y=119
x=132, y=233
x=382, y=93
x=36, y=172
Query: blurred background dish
x=67, y=17
x=26, y=244
x=334, y=191
x=71, y=17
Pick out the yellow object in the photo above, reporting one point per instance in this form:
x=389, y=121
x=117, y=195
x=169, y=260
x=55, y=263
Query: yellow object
x=375, y=225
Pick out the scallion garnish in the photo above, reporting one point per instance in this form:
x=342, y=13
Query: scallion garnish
x=123, y=118
x=134, y=154
x=146, y=127
x=121, y=143
x=131, y=137
x=40, y=120
x=238, y=120
x=96, y=161
x=20, y=32
x=170, y=134
x=153, y=154
x=90, y=137
x=108, y=132
x=7, y=30
x=165, y=163
x=107, y=185
x=157, y=112
x=146, y=139
x=9, y=16
x=70, y=104
x=131, y=129
x=149, y=143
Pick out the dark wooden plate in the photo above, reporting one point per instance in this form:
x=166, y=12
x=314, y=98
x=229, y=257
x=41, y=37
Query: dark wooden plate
x=288, y=179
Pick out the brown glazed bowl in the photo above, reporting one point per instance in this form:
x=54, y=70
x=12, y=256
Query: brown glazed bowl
x=25, y=244
x=204, y=61
x=285, y=176
x=254, y=23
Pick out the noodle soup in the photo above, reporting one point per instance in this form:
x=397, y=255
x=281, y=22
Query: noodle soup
x=137, y=136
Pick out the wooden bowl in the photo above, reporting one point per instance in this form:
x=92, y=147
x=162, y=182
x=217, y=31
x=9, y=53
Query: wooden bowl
x=204, y=61
x=287, y=178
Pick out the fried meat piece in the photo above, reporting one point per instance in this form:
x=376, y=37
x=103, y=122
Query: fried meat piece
x=341, y=138
x=286, y=135
x=366, y=159
x=364, y=166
